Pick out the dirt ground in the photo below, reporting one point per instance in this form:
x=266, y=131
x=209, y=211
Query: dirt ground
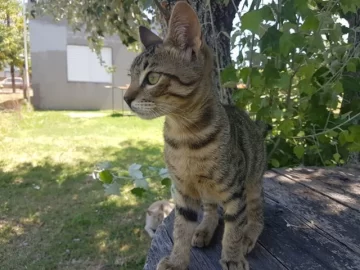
x=7, y=94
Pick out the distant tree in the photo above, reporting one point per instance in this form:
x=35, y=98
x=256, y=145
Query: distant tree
x=11, y=36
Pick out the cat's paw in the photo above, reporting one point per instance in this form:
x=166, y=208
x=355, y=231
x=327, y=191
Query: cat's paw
x=232, y=265
x=201, y=238
x=247, y=244
x=166, y=264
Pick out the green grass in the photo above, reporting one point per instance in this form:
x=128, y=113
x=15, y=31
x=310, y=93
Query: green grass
x=69, y=223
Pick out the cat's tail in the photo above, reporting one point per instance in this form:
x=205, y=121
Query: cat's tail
x=265, y=128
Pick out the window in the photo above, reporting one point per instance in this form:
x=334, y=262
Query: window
x=83, y=65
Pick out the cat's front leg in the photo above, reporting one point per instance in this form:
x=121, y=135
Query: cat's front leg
x=186, y=211
x=205, y=230
x=232, y=255
x=150, y=231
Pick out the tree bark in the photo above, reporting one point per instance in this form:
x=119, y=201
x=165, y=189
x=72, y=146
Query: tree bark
x=351, y=98
x=12, y=71
x=216, y=20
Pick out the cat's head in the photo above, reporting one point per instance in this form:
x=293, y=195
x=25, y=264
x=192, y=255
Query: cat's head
x=157, y=215
x=166, y=76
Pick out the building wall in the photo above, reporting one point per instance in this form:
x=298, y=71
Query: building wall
x=52, y=90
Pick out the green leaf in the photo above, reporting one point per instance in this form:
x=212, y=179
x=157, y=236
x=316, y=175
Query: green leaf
x=355, y=131
x=300, y=134
x=270, y=41
x=351, y=66
x=271, y=73
x=332, y=133
x=349, y=6
x=166, y=182
x=298, y=40
x=257, y=80
x=105, y=176
x=267, y=13
x=286, y=127
x=336, y=33
x=299, y=151
x=302, y=7
x=306, y=88
x=307, y=70
x=311, y=23
x=286, y=44
x=317, y=42
x=345, y=137
x=244, y=73
x=112, y=189
x=229, y=74
x=289, y=12
x=138, y=192
x=275, y=163
x=354, y=147
x=141, y=183
x=336, y=157
x=252, y=20
x=284, y=81
x=338, y=87
x=134, y=171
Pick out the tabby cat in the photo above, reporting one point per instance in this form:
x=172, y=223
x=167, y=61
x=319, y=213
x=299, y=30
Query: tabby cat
x=215, y=153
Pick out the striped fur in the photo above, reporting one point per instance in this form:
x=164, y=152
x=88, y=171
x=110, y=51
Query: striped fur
x=215, y=153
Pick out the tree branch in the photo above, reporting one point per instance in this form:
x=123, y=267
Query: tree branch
x=165, y=12
x=326, y=131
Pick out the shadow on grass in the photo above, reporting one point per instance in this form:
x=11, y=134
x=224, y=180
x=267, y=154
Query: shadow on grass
x=117, y=114
x=55, y=216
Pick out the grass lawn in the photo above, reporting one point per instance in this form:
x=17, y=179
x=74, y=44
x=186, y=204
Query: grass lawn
x=53, y=215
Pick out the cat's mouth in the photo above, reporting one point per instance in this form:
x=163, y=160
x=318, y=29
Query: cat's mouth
x=145, y=109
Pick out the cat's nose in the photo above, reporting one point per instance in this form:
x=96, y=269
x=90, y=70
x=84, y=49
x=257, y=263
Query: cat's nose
x=128, y=100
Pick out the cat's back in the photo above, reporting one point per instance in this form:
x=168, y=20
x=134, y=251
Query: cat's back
x=247, y=138
x=242, y=127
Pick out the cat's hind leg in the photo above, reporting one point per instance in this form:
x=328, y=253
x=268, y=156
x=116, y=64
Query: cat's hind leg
x=255, y=215
x=235, y=218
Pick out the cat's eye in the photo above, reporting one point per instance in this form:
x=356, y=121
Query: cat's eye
x=153, y=78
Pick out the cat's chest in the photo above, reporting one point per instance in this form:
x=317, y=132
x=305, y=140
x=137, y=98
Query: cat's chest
x=184, y=164
x=191, y=171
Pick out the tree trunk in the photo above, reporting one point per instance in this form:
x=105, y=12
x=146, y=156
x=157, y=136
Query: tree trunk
x=216, y=21
x=12, y=70
x=351, y=98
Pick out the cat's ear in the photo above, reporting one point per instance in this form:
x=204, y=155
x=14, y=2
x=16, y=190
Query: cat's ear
x=149, y=212
x=184, y=28
x=161, y=208
x=148, y=38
